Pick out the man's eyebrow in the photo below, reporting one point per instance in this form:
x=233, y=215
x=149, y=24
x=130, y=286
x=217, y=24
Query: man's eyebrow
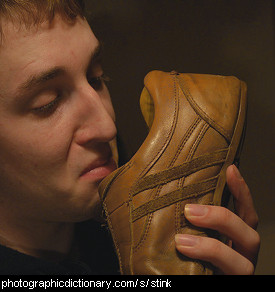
x=36, y=80
x=41, y=78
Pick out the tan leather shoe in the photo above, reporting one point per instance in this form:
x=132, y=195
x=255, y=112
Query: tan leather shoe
x=196, y=124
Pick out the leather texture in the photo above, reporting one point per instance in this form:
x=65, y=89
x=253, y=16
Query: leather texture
x=196, y=124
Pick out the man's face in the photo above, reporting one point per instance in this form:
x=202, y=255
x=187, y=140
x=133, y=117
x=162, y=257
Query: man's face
x=56, y=122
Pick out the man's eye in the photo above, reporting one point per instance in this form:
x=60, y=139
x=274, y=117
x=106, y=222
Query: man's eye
x=47, y=108
x=97, y=82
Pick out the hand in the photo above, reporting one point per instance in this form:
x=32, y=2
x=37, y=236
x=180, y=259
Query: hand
x=240, y=255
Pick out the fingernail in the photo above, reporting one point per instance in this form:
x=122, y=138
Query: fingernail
x=195, y=210
x=186, y=240
x=237, y=172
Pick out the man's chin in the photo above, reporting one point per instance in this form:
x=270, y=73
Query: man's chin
x=97, y=213
x=94, y=212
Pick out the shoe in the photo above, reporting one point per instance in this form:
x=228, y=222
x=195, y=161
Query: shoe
x=196, y=124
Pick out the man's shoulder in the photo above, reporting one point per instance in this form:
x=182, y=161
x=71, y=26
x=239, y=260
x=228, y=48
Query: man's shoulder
x=16, y=263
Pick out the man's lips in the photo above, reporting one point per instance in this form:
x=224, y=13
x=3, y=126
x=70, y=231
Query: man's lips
x=99, y=168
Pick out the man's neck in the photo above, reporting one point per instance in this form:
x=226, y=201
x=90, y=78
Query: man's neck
x=50, y=241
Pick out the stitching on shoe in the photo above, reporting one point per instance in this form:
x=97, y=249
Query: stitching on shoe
x=119, y=172
x=178, y=212
x=187, y=192
x=190, y=155
x=177, y=172
x=152, y=162
x=178, y=205
x=170, y=133
x=200, y=111
x=194, y=147
x=150, y=216
x=192, y=151
x=143, y=237
x=157, y=156
x=185, y=139
x=114, y=238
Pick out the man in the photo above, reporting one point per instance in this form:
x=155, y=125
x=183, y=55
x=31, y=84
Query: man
x=57, y=134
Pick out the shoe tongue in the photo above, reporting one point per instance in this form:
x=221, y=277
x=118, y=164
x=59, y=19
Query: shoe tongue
x=147, y=107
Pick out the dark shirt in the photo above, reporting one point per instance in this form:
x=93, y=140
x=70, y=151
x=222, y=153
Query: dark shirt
x=96, y=256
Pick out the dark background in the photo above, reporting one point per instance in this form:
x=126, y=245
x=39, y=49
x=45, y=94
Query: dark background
x=227, y=37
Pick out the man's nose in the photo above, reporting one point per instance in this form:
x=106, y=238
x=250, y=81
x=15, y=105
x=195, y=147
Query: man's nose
x=96, y=117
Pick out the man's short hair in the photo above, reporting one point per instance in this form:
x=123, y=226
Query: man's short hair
x=33, y=12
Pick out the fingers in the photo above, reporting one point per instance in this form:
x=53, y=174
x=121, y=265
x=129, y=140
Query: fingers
x=245, y=239
x=213, y=251
x=241, y=260
x=241, y=256
x=243, y=202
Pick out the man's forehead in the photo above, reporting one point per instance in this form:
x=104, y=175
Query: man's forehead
x=13, y=29
x=38, y=37
x=42, y=47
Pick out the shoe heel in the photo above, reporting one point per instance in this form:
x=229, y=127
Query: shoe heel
x=222, y=194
